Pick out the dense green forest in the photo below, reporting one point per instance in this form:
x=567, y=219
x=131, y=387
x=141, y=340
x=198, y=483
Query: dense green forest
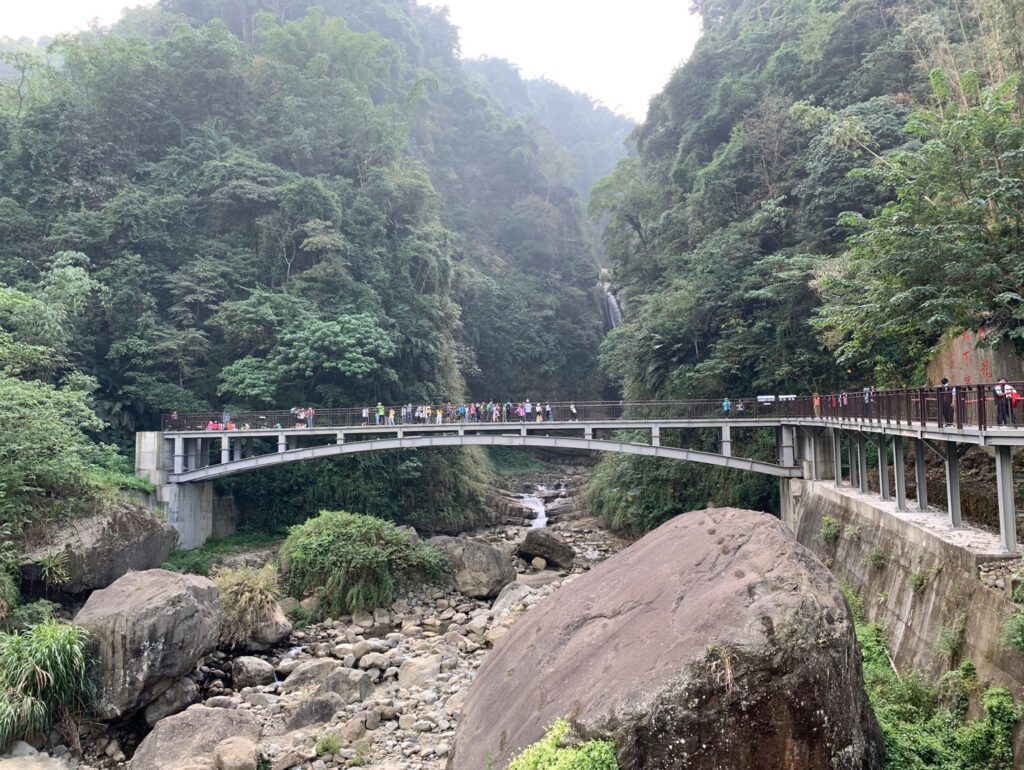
x=221, y=204
x=816, y=196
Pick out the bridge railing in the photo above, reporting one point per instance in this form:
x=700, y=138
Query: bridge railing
x=965, y=406
x=561, y=411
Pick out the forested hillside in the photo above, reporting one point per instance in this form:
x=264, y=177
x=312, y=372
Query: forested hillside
x=287, y=205
x=816, y=196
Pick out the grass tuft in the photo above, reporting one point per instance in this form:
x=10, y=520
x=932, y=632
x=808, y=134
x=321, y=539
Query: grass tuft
x=249, y=597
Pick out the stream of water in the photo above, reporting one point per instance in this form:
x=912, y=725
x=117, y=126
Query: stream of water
x=534, y=503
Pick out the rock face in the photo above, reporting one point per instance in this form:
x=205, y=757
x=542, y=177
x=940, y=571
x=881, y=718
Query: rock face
x=194, y=735
x=148, y=629
x=547, y=545
x=716, y=641
x=100, y=549
x=175, y=698
x=481, y=570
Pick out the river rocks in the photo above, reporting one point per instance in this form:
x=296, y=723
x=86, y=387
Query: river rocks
x=192, y=737
x=349, y=684
x=307, y=672
x=481, y=570
x=270, y=629
x=548, y=545
x=419, y=673
x=175, y=698
x=716, y=641
x=100, y=549
x=316, y=710
x=248, y=671
x=147, y=630
x=237, y=753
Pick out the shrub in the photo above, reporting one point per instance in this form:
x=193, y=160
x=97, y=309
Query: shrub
x=917, y=581
x=353, y=562
x=42, y=677
x=328, y=743
x=552, y=753
x=1013, y=632
x=876, y=558
x=248, y=596
x=951, y=638
x=8, y=596
x=31, y=614
x=853, y=599
x=831, y=529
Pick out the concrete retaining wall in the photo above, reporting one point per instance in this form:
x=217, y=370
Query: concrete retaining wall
x=914, y=619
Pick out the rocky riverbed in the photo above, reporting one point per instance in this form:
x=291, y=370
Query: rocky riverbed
x=383, y=689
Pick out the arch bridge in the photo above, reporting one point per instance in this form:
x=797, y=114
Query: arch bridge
x=815, y=438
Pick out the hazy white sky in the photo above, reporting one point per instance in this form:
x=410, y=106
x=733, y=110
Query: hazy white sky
x=620, y=53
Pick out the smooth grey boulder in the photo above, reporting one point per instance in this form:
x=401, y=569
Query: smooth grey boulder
x=481, y=570
x=248, y=671
x=178, y=697
x=192, y=737
x=100, y=549
x=147, y=630
x=317, y=710
x=550, y=546
x=509, y=596
x=716, y=641
x=349, y=683
x=308, y=672
x=269, y=629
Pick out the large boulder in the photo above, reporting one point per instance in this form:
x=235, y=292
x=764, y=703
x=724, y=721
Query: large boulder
x=102, y=548
x=175, y=698
x=550, y=546
x=148, y=630
x=192, y=737
x=481, y=570
x=717, y=641
x=269, y=629
x=248, y=671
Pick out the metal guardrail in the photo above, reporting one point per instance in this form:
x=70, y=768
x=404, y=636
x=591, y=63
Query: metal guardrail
x=967, y=406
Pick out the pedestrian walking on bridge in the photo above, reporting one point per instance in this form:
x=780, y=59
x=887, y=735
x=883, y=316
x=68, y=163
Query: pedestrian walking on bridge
x=726, y=406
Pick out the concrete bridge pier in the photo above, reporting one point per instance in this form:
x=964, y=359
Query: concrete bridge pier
x=862, y=462
x=922, y=475
x=899, y=470
x=186, y=507
x=726, y=441
x=883, y=467
x=1007, y=506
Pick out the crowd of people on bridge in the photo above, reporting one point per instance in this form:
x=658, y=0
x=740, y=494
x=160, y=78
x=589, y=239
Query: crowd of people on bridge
x=407, y=414
x=479, y=412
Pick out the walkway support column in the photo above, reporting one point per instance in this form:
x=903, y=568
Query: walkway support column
x=179, y=454
x=851, y=459
x=899, y=470
x=282, y=442
x=837, y=456
x=786, y=454
x=655, y=436
x=922, y=475
x=1007, y=506
x=225, y=449
x=952, y=458
x=862, y=462
x=815, y=460
x=726, y=441
x=883, y=468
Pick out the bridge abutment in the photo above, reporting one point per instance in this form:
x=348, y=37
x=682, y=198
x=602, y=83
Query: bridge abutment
x=186, y=507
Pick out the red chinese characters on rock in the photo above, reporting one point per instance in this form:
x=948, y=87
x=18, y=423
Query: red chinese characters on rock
x=986, y=370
